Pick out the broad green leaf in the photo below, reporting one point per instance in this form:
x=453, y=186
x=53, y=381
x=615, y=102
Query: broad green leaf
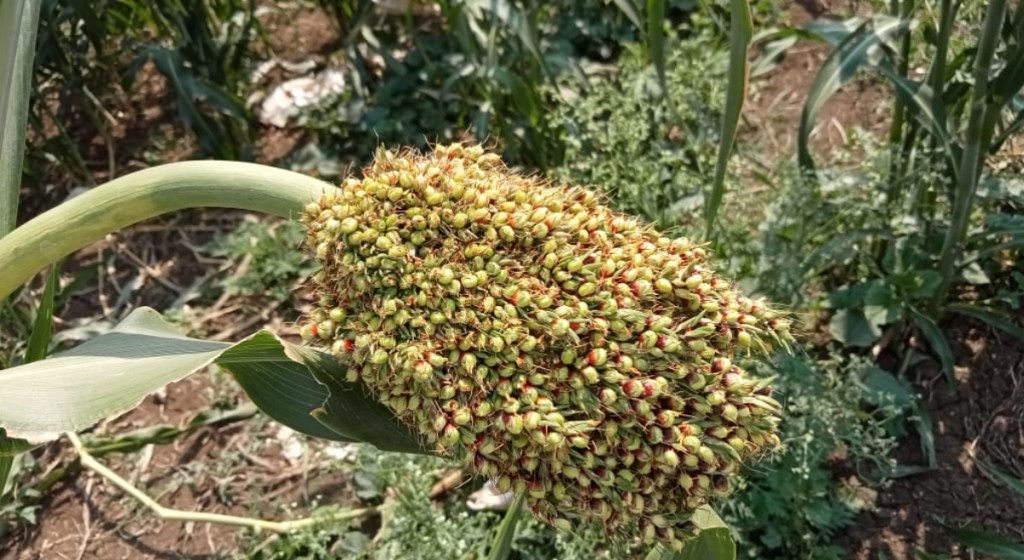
x=846, y=297
x=974, y=274
x=882, y=305
x=740, y=32
x=858, y=49
x=852, y=328
x=501, y=546
x=19, y=21
x=279, y=385
x=350, y=411
x=42, y=330
x=11, y=447
x=881, y=385
x=103, y=377
x=939, y=344
x=113, y=373
x=994, y=319
x=988, y=543
x=714, y=542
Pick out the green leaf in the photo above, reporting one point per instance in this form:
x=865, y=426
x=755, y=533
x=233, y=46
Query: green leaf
x=926, y=432
x=9, y=450
x=988, y=543
x=740, y=32
x=282, y=387
x=882, y=306
x=939, y=344
x=113, y=373
x=880, y=384
x=42, y=330
x=130, y=442
x=713, y=542
x=12, y=447
x=856, y=50
x=351, y=412
x=501, y=546
x=629, y=10
x=656, y=39
x=6, y=465
x=847, y=297
x=928, y=111
x=925, y=282
x=994, y=319
x=852, y=328
x=975, y=275
x=1011, y=482
x=19, y=21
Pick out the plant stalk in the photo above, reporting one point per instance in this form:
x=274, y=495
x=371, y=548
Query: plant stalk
x=973, y=156
x=89, y=462
x=146, y=194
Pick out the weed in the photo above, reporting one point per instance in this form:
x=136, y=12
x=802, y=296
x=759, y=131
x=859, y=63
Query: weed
x=269, y=265
x=792, y=507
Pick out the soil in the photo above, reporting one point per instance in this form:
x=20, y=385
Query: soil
x=981, y=421
x=773, y=109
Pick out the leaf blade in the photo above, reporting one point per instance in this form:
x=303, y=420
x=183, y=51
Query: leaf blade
x=114, y=372
x=19, y=22
x=42, y=329
x=990, y=317
x=939, y=344
x=741, y=31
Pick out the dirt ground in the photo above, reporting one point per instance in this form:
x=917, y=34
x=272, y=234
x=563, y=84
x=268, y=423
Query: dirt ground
x=983, y=419
x=222, y=469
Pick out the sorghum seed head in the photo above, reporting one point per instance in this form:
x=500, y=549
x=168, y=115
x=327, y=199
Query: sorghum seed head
x=561, y=349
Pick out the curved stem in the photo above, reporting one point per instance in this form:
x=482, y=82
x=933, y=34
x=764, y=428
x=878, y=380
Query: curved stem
x=280, y=527
x=145, y=194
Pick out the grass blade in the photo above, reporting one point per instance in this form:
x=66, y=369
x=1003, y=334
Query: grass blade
x=629, y=10
x=939, y=345
x=988, y=543
x=39, y=340
x=656, y=39
x=994, y=319
x=919, y=98
x=741, y=30
x=501, y=546
x=18, y=25
x=1011, y=482
x=6, y=464
x=926, y=432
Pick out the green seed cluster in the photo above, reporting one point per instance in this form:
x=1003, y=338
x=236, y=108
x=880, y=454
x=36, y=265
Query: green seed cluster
x=559, y=348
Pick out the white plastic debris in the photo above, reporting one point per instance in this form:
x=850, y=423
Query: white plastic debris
x=292, y=98
x=341, y=451
x=489, y=498
x=291, y=447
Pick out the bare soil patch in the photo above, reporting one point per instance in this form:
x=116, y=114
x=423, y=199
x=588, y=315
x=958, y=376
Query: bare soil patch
x=983, y=419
